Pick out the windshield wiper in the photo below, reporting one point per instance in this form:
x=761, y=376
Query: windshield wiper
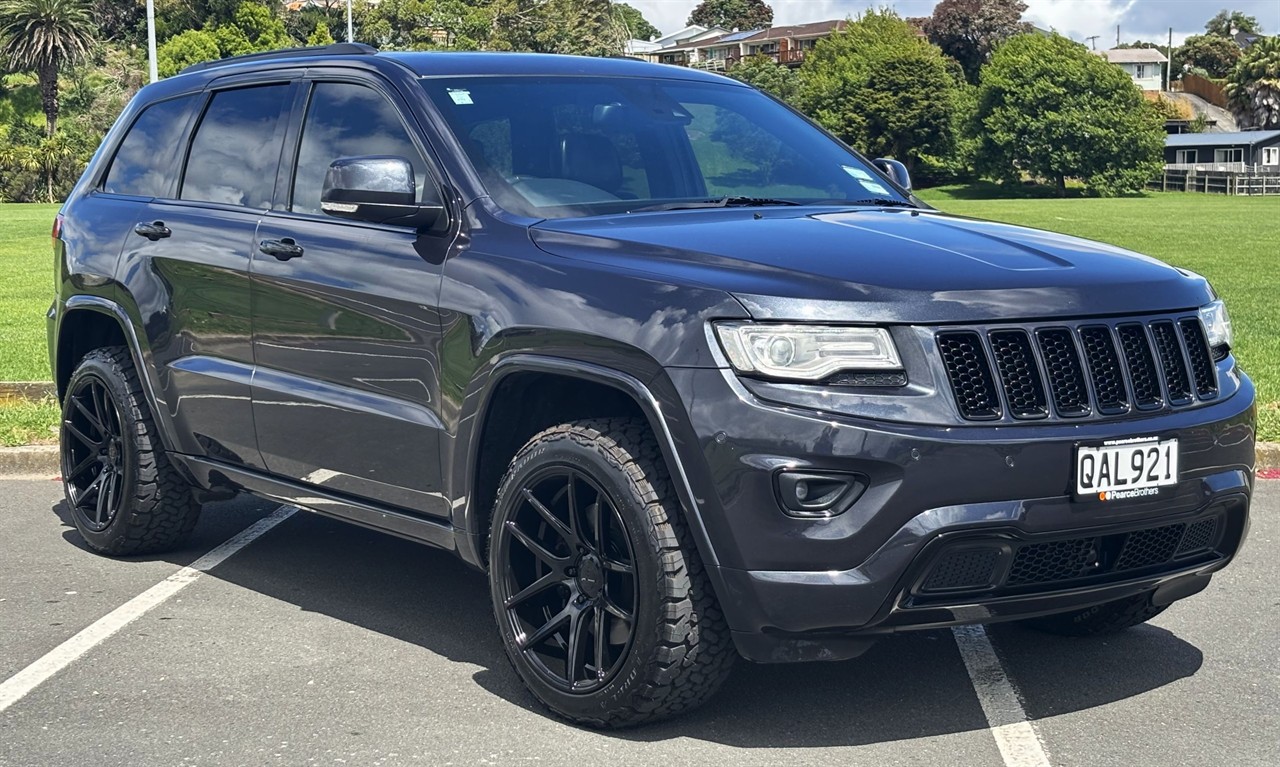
x=721, y=202
x=883, y=202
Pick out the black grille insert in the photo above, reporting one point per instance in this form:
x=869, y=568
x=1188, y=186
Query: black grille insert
x=1202, y=371
x=1066, y=378
x=1142, y=366
x=1016, y=366
x=1104, y=369
x=970, y=375
x=1175, y=368
x=995, y=565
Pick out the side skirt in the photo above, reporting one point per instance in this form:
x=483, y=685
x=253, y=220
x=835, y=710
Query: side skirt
x=218, y=477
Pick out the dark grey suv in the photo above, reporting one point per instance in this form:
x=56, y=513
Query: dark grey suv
x=687, y=377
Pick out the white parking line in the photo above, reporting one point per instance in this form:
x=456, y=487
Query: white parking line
x=16, y=687
x=1018, y=741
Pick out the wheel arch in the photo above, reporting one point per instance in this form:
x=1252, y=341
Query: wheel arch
x=471, y=516
x=93, y=322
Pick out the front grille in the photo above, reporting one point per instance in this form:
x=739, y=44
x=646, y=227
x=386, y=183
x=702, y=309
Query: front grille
x=1094, y=369
x=998, y=565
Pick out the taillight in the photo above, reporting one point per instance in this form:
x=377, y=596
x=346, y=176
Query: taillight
x=56, y=234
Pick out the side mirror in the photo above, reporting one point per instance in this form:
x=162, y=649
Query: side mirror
x=380, y=190
x=896, y=171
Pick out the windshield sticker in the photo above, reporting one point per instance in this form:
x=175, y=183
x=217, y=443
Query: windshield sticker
x=866, y=179
x=460, y=96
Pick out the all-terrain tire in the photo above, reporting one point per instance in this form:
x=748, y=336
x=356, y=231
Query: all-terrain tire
x=156, y=510
x=681, y=651
x=1100, y=620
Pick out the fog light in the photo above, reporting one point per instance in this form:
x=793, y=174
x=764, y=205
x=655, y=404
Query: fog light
x=817, y=494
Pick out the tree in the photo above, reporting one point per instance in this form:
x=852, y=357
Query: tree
x=1049, y=107
x=767, y=75
x=320, y=35
x=638, y=27
x=1253, y=87
x=1227, y=23
x=583, y=27
x=1215, y=55
x=881, y=88
x=732, y=14
x=45, y=35
x=181, y=51
x=121, y=20
x=969, y=30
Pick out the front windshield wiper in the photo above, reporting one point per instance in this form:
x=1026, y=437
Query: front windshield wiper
x=721, y=202
x=883, y=202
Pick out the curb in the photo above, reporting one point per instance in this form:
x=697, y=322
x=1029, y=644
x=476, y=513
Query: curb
x=42, y=460
x=36, y=461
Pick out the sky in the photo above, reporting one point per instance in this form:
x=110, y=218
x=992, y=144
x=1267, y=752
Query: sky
x=1077, y=19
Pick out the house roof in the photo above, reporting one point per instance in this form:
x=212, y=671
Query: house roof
x=1240, y=138
x=812, y=29
x=1245, y=39
x=1134, y=56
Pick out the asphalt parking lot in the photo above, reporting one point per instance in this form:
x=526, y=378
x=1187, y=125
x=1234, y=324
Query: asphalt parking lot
x=320, y=643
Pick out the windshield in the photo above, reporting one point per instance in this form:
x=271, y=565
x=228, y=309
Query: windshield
x=556, y=147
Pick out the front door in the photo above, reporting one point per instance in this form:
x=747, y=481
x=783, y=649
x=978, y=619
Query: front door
x=187, y=264
x=346, y=332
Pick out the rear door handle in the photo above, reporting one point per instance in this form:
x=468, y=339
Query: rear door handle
x=156, y=230
x=283, y=249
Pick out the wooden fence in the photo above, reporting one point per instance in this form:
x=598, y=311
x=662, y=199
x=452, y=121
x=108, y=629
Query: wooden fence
x=1212, y=182
x=1205, y=89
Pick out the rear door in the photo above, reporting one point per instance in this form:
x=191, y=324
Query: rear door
x=346, y=333
x=187, y=265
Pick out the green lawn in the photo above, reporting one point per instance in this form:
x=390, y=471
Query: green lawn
x=1229, y=240
x=1233, y=241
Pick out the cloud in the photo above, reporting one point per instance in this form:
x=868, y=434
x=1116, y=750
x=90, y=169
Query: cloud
x=1078, y=19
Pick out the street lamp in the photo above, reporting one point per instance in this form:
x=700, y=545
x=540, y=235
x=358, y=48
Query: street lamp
x=350, y=35
x=151, y=40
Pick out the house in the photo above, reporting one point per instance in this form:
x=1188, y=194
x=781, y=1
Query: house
x=1246, y=39
x=1258, y=151
x=678, y=48
x=720, y=49
x=1144, y=65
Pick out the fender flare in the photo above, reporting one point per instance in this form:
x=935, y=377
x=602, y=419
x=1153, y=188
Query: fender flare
x=140, y=355
x=469, y=543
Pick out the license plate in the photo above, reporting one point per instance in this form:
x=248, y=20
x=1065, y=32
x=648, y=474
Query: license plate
x=1128, y=468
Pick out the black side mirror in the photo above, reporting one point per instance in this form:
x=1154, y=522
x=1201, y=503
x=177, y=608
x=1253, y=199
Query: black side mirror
x=896, y=171
x=380, y=190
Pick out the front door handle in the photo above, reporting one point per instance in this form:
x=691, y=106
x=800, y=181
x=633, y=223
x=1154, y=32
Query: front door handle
x=283, y=249
x=156, y=230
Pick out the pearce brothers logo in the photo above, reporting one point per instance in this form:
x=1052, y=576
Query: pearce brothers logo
x=1120, y=495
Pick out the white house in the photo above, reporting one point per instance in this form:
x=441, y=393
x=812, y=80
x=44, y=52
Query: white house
x=1144, y=65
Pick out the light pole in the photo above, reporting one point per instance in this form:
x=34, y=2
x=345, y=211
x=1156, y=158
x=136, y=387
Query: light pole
x=151, y=40
x=350, y=34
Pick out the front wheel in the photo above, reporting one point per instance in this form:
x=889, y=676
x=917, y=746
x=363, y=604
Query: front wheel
x=602, y=602
x=124, y=494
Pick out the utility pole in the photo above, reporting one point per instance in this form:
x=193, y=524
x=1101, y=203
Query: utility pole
x=1093, y=41
x=1168, y=67
x=1117, y=35
x=151, y=40
x=350, y=32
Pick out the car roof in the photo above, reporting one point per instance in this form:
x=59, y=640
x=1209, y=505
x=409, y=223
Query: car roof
x=462, y=63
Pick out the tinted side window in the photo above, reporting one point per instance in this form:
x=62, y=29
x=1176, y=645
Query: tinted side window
x=236, y=150
x=348, y=120
x=144, y=164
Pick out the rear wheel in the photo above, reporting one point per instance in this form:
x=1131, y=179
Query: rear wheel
x=1100, y=620
x=604, y=607
x=124, y=495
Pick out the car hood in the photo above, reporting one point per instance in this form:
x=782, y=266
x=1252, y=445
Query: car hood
x=878, y=265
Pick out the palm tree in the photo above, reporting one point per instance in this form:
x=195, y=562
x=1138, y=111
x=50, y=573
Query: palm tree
x=44, y=35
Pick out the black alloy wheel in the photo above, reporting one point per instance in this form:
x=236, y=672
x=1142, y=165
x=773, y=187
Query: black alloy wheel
x=93, y=455
x=569, y=590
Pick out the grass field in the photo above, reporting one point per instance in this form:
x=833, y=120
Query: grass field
x=1233, y=241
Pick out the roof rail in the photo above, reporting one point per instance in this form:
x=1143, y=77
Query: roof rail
x=337, y=49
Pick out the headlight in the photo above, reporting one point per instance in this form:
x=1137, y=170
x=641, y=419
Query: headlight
x=805, y=352
x=1217, y=325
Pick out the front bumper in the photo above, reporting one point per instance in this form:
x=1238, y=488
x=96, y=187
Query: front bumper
x=800, y=589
